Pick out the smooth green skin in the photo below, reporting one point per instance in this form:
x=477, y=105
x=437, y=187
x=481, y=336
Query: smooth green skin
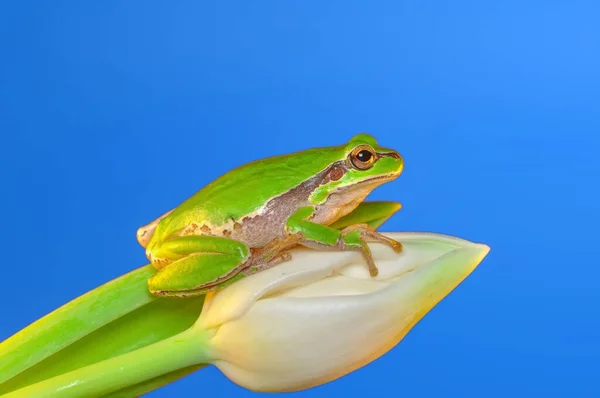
x=198, y=263
x=114, y=319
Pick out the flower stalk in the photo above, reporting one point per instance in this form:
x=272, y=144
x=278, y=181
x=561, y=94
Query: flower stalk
x=111, y=320
x=186, y=349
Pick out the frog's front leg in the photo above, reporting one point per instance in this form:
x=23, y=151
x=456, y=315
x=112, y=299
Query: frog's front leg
x=353, y=237
x=198, y=264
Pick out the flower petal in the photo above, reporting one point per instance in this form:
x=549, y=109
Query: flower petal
x=305, y=267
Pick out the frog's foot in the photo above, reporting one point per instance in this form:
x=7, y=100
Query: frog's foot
x=278, y=259
x=277, y=246
x=354, y=237
x=273, y=253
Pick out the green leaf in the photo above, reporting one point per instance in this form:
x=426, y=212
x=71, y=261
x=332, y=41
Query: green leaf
x=374, y=213
x=115, y=318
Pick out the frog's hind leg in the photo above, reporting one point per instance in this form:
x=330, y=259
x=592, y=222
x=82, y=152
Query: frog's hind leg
x=258, y=267
x=203, y=263
x=273, y=253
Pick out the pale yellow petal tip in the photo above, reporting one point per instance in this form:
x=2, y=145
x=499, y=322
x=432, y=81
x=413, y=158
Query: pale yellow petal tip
x=481, y=250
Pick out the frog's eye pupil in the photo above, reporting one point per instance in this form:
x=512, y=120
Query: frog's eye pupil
x=364, y=155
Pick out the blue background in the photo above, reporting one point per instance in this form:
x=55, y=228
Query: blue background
x=113, y=112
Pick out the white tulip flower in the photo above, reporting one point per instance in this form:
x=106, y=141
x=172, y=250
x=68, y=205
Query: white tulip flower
x=321, y=315
x=297, y=325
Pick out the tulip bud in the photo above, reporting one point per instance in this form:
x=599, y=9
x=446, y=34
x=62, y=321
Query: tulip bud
x=321, y=315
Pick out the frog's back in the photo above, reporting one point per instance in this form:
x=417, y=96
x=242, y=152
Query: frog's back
x=246, y=189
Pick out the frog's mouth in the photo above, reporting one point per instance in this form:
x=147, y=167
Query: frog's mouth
x=353, y=194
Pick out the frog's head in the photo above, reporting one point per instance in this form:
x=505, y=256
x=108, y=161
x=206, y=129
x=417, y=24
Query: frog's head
x=366, y=161
x=362, y=166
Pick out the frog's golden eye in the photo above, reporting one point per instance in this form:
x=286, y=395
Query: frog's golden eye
x=363, y=157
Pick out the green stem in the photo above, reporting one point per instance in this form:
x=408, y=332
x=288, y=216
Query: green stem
x=74, y=320
x=140, y=389
x=185, y=349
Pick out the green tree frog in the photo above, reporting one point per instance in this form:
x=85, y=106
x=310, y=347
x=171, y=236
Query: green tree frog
x=248, y=219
